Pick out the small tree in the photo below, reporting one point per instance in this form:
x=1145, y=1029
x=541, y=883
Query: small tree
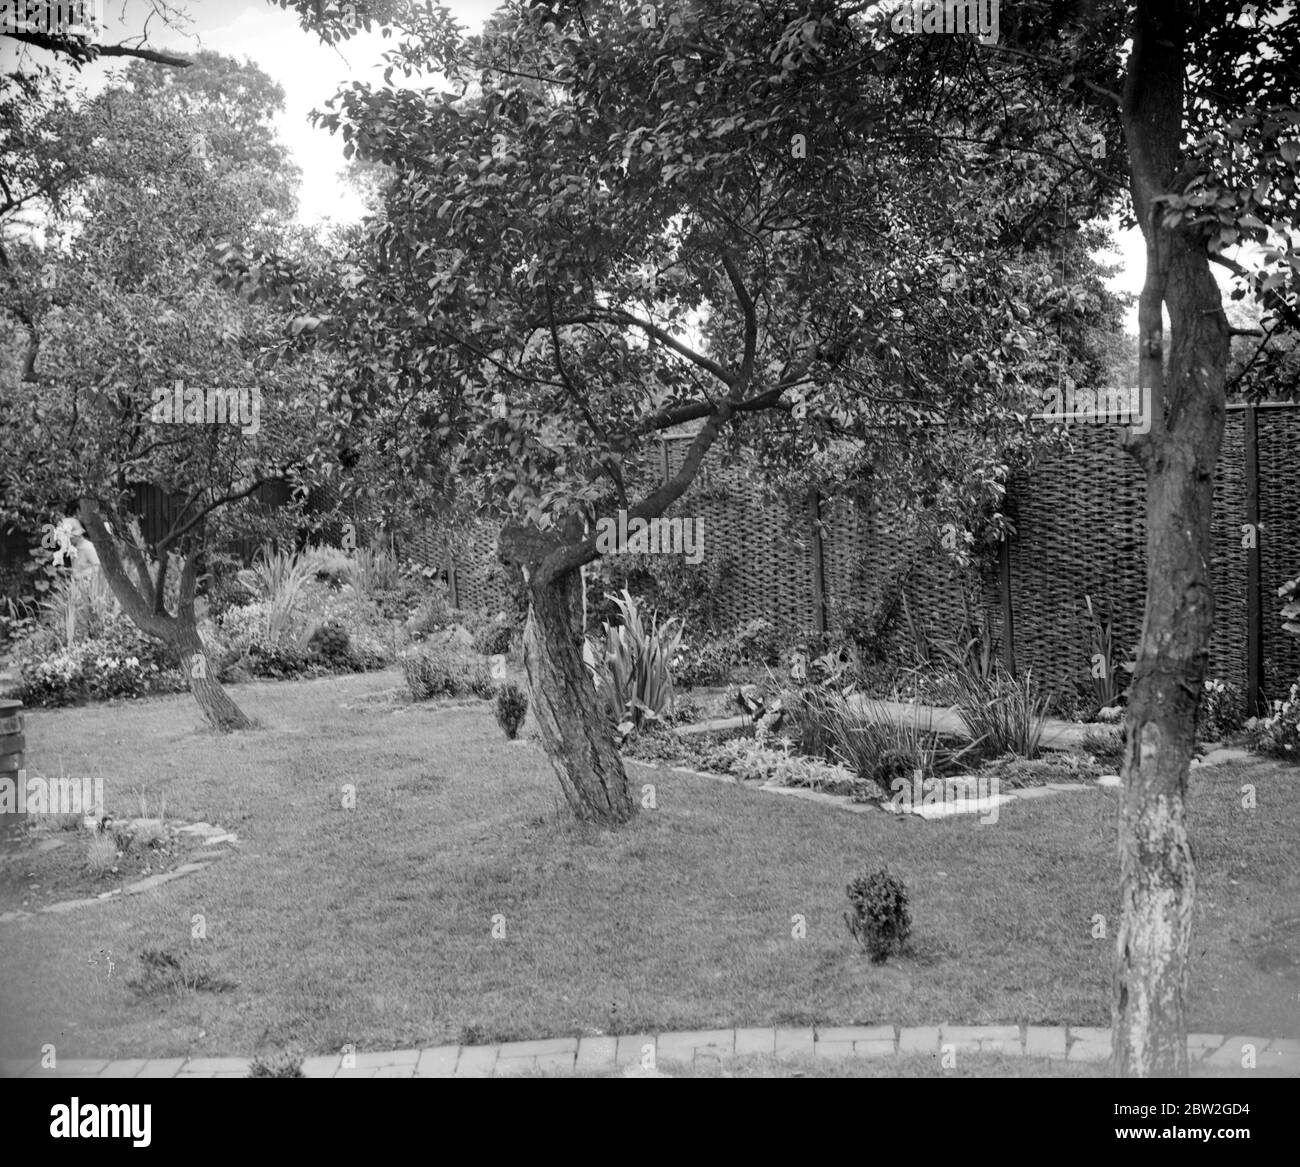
x=135, y=350
x=626, y=228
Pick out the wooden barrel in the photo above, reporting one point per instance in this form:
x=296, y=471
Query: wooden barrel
x=12, y=774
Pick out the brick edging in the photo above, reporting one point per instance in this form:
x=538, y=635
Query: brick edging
x=643, y=1052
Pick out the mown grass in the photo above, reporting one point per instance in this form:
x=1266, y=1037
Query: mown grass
x=374, y=926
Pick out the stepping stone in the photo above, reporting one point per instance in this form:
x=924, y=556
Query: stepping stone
x=755, y=1041
x=1226, y=754
x=794, y=1041
x=438, y=1061
x=476, y=1061
x=674, y=1047
x=1045, y=1041
x=1109, y=780
x=596, y=1052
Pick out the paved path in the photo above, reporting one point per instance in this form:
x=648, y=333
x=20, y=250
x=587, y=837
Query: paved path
x=1068, y=1044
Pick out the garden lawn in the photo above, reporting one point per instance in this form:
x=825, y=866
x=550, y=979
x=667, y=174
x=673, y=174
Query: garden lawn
x=374, y=926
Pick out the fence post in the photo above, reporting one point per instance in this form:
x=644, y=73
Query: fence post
x=1008, y=609
x=1254, y=610
x=818, y=566
x=451, y=576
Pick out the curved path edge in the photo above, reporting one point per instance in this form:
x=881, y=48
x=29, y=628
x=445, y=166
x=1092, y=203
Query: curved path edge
x=1069, y=1044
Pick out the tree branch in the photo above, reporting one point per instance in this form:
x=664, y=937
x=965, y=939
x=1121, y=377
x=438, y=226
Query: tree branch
x=751, y=321
x=80, y=54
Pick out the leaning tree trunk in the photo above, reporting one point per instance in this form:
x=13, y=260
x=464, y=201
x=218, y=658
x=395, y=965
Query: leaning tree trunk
x=575, y=728
x=1178, y=455
x=141, y=600
x=217, y=705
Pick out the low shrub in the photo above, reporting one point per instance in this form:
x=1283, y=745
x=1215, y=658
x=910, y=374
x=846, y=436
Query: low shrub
x=1106, y=746
x=123, y=662
x=878, y=917
x=1014, y=772
x=511, y=708
x=706, y=662
x=778, y=764
x=432, y=613
x=439, y=672
x=329, y=565
x=1278, y=734
x=493, y=639
x=1222, y=711
x=714, y=660
x=759, y=641
x=331, y=642
x=275, y=661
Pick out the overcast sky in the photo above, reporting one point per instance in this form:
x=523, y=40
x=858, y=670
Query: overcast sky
x=311, y=73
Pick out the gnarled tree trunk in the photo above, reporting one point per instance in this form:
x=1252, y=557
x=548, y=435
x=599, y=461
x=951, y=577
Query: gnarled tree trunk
x=218, y=707
x=141, y=600
x=575, y=728
x=1179, y=454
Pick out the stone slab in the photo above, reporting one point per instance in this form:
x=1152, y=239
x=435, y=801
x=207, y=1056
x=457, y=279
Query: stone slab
x=677, y=1046
x=537, y=1049
x=630, y=1048
x=397, y=1057
x=755, y=1041
x=127, y=1068
x=215, y=1065
x=794, y=1041
x=438, y=1061
x=476, y=1061
x=161, y=1068
x=856, y=1033
x=597, y=1052
x=1044, y=1041
x=922, y=1039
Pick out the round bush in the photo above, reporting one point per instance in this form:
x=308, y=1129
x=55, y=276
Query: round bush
x=511, y=708
x=493, y=639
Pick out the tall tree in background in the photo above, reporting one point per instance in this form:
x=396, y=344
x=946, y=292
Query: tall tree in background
x=129, y=308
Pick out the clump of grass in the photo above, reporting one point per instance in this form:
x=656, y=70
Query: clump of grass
x=876, y=746
x=1106, y=746
x=152, y=829
x=101, y=853
x=1007, y=714
x=278, y=1066
x=166, y=974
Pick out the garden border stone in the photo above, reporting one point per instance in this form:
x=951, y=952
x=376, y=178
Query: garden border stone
x=211, y=837
x=1057, y=1043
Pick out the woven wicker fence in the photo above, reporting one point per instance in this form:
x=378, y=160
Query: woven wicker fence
x=1080, y=532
